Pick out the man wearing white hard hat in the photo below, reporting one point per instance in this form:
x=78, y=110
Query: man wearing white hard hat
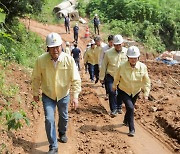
x=87, y=48
x=54, y=72
x=67, y=49
x=90, y=60
x=131, y=77
x=112, y=60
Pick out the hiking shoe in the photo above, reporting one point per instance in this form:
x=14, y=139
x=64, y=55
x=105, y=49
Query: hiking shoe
x=119, y=111
x=53, y=151
x=63, y=138
x=131, y=133
x=113, y=113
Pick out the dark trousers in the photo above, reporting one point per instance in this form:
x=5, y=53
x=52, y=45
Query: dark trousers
x=67, y=28
x=77, y=63
x=91, y=71
x=129, y=103
x=96, y=72
x=96, y=28
x=114, y=101
x=105, y=85
x=76, y=37
x=86, y=67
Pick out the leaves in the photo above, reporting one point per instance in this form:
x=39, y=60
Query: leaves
x=2, y=17
x=130, y=18
x=14, y=120
x=18, y=8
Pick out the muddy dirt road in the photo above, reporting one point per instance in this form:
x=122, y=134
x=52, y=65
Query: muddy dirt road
x=92, y=131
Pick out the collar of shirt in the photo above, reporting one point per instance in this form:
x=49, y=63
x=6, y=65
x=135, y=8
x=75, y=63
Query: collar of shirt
x=61, y=56
x=137, y=66
x=122, y=50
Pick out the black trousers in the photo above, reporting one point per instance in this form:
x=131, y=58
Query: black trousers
x=76, y=37
x=129, y=103
x=96, y=72
x=67, y=28
x=96, y=28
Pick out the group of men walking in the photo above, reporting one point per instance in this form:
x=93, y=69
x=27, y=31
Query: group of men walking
x=96, y=23
x=117, y=68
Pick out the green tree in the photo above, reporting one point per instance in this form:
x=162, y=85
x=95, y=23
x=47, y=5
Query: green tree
x=14, y=8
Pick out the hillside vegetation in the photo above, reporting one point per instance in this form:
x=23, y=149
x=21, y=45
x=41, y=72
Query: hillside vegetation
x=156, y=23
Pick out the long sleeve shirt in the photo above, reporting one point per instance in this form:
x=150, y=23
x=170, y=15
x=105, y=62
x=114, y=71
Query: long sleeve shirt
x=89, y=56
x=55, y=81
x=104, y=50
x=97, y=53
x=131, y=80
x=111, y=62
x=67, y=50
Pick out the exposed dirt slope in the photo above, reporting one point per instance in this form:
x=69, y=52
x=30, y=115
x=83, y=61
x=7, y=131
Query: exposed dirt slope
x=91, y=130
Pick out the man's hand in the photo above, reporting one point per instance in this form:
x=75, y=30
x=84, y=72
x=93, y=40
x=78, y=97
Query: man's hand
x=75, y=103
x=36, y=98
x=101, y=81
x=145, y=98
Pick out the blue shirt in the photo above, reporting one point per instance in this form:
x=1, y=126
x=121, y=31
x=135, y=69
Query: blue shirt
x=76, y=52
x=76, y=29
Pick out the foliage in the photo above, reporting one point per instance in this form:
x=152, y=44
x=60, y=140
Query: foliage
x=47, y=15
x=18, y=46
x=18, y=8
x=13, y=119
x=2, y=16
x=156, y=23
x=82, y=8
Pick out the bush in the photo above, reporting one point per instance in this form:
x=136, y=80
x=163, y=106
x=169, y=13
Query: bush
x=21, y=46
x=131, y=18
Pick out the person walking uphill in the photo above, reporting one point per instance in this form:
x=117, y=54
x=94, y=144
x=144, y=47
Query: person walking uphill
x=112, y=59
x=76, y=31
x=96, y=22
x=67, y=24
x=54, y=72
x=89, y=59
x=105, y=49
x=97, y=53
x=76, y=53
x=67, y=49
x=131, y=77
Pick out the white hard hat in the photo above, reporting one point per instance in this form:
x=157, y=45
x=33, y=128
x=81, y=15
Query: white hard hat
x=53, y=40
x=133, y=52
x=76, y=24
x=92, y=42
x=89, y=44
x=118, y=39
x=96, y=15
x=67, y=43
